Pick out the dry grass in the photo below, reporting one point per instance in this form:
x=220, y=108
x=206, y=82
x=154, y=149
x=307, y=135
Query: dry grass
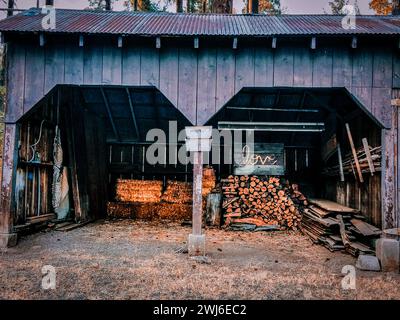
x=137, y=260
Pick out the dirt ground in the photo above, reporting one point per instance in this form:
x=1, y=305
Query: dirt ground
x=137, y=260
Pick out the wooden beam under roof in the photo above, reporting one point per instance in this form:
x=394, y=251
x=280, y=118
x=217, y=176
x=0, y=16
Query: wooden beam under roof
x=110, y=116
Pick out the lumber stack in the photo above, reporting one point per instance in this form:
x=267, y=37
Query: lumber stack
x=252, y=202
x=349, y=165
x=338, y=227
x=138, y=190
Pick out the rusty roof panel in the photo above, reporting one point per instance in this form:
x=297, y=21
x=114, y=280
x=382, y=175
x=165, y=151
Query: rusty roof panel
x=170, y=24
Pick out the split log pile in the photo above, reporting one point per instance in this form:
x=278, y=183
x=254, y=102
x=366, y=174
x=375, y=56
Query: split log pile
x=349, y=165
x=138, y=190
x=338, y=227
x=261, y=203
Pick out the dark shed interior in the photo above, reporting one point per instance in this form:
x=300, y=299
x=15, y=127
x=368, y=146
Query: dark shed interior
x=103, y=137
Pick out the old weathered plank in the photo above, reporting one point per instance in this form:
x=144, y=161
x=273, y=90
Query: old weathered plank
x=169, y=74
x=112, y=65
x=206, y=85
x=8, y=176
x=131, y=65
x=303, y=68
x=54, y=67
x=73, y=64
x=187, y=95
x=15, y=81
x=283, y=66
x=362, y=68
x=382, y=68
x=93, y=65
x=150, y=67
x=225, y=76
x=322, y=67
x=381, y=105
x=342, y=67
x=34, y=76
x=263, y=67
x=244, y=75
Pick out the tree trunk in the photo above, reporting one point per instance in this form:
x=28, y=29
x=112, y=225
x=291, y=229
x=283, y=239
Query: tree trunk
x=108, y=5
x=253, y=6
x=10, y=6
x=179, y=6
x=49, y=2
x=396, y=7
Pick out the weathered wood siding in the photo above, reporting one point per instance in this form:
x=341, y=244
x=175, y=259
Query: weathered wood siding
x=201, y=81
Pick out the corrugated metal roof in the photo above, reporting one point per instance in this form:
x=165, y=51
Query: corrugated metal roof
x=170, y=24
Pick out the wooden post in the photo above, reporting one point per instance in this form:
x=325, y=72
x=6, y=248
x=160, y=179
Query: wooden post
x=368, y=155
x=353, y=150
x=197, y=192
x=7, y=206
x=339, y=150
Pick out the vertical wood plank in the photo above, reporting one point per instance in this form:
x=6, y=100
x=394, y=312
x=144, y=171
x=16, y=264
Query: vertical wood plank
x=263, y=67
x=283, y=66
x=187, y=94
x=225, y=76
x=364, y=95
x=169, y=74
x=112, y=65
x=362, y=68
x=150, y=67
x=206, y=85
x=382, y=68
x=34, y=77
x=322, y=67
x=342, y=67
x=131, y=65
x=303, y=68
x=54, y=67
x=73, y=64
x=381, y=105
x=15, y=81
x=93, y=65
x=244, y=75
x=396, y=69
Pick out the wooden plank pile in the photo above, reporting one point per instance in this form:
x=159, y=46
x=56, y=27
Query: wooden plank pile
x=138, y=190
x=261, y=203
x=369, y=163
x=338, y=227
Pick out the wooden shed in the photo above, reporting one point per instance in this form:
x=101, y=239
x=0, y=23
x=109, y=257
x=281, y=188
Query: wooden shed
x=97, y=82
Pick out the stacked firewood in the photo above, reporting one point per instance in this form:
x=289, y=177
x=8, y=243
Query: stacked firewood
x=138, y=190
x=349, y=165
x=261, y=202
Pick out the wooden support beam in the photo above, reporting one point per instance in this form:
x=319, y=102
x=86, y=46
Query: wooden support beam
x=354, y=42
x=120, y=41
x=110, y=116
x=235, y=43
x=158, y=43
x=340, y=159
x=196, y=43
x=42, y=39
x=272, y=126
x=274, y=42
x=368, y=155
x=81, y=40
x=353, y=150
x=277, y=109
x=133, y=113
x=313, y=43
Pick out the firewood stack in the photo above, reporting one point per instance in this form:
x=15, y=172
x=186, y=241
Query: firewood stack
x=261, y=202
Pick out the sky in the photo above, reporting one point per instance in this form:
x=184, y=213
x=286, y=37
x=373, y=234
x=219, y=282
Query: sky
x=292, y=6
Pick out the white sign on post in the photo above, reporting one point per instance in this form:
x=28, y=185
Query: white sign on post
x=198, y=139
